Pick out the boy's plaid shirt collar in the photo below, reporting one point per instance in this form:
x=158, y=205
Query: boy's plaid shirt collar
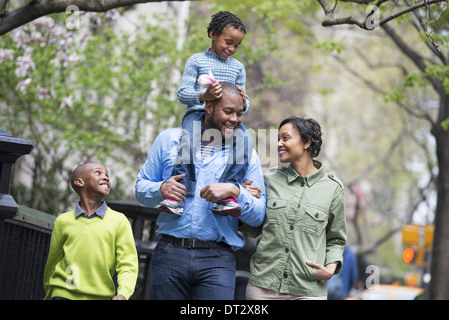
x=101, y=211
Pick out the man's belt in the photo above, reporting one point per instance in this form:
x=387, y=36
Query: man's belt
x=193, y=243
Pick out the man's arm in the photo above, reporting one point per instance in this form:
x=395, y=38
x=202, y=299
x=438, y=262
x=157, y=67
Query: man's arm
x=155, y=172
x=253, y=209
x=218, y=191
x=173, y=189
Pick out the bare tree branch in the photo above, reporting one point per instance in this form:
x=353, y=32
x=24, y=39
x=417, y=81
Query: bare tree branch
x=407, y=50
x=330, y=20
x=39, y=8
x=422, y=26
x=414, y=57
x=384, y=157
x=383, y=92
x=373, y=66
x=348, y=20
x=326, y=7
x=3, y=4
x=425, y=3
x=418, y=25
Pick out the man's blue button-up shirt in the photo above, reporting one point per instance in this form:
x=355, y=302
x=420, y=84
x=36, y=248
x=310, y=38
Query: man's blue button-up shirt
x=198, y=221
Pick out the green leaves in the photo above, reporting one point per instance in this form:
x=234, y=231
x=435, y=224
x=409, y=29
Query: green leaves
x=440, y=72
x=445, y=124
x=436, y=71
x=85, y=94
x=329, y=45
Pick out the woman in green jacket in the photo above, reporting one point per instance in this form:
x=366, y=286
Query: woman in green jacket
x=301, y=246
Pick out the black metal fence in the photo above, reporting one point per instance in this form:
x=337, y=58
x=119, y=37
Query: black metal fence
x=24, y=245
x=24, y=241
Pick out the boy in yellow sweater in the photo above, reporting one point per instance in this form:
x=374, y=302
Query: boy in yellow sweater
x=90, y=243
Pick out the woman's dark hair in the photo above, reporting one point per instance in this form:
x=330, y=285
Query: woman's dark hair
x=308, y=129
x=223, y=19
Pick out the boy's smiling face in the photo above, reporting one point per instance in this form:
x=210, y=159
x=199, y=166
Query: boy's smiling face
x=226, y=43
x=94, y=179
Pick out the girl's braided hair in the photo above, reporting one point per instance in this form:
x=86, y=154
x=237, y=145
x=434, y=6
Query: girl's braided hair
x=223, y=19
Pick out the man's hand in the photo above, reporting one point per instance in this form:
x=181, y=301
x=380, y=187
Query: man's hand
x=219, y=191
x=323, y=272
x=173, y=189
x=119, y=297
x=255, y=191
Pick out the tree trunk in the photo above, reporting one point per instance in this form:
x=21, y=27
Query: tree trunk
x=439, y=285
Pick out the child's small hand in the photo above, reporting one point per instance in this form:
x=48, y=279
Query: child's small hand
x=243, y=94
x=212, y=93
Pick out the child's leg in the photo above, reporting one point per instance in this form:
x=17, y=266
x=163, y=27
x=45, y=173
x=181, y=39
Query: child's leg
x=235, y=170
x=187, y=148
x=192, y=125
x=243, y=145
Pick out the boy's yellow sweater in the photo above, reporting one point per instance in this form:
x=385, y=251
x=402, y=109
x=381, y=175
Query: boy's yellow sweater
x=85, y=253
